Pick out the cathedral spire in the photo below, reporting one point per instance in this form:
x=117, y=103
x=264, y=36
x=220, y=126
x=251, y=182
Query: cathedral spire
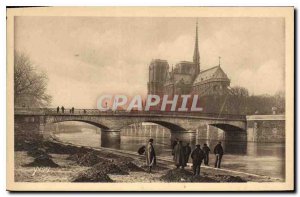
x=196, y=57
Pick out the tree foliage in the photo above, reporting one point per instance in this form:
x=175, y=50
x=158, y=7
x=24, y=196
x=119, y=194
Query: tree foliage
x=243, y=103
x=238, y=101
x=29, y=84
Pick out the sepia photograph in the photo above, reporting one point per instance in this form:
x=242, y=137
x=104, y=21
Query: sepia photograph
x=150, y=99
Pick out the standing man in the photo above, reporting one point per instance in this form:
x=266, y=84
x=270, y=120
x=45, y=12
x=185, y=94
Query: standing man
x=206, y=151
x=73, y=110
x=187, y=152
x=62, y=109
x=218, y=150
x=150, y=155
x=197, y=156
x=179, y=158
x=174, y=143
x=57, y=110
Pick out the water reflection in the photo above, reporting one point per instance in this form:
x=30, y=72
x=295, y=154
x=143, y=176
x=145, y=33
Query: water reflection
x=110, y=144
x=164, y=145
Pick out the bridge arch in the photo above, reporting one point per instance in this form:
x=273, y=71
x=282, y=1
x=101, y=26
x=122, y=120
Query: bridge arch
x=231, y=132
x=99, y=125
x=228, y=127
x=166, y=124
x=171, y=126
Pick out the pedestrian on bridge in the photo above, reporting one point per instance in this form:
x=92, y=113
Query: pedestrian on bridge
x=179, y=156
x=197, y=157
x=150, y=155
x=206, y=151
x=57, y=109
x=218, y=150
x=73, y=110
x=62, y=109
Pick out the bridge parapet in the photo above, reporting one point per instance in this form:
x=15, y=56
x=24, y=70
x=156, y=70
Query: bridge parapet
x=53, y=112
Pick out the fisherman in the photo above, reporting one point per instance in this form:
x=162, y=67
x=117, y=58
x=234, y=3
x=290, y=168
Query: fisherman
x=206, y=151
x=179, y=158
x=197, y=157
x=141, y=150
x=187, y=152
x=218, y=151
x=150, y=155
x=57, y=110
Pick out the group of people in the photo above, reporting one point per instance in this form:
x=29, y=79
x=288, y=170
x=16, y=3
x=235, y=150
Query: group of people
x=63, y=110
x=181, y=154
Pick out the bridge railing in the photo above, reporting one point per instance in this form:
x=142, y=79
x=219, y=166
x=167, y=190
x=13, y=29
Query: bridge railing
x=68, y=111
x=30, y=111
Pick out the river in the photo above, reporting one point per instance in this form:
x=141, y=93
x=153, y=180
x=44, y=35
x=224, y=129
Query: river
x=266, y=159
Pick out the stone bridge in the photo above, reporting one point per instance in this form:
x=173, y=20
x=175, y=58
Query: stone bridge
x=181, y=124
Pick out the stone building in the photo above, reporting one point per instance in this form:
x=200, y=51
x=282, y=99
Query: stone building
x=187, y=77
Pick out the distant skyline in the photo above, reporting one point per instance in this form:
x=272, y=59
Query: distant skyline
x=86, y=57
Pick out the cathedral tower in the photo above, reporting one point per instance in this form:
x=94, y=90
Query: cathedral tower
x=196, y=57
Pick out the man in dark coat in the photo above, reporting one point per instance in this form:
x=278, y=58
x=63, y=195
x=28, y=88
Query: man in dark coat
x=218, y=151
x=197, y=156
x=187, y=152
x=63, y=109
x=150, y=155
x=57, y=109
x=174, y=143
x=179, y=158
x=206, y=151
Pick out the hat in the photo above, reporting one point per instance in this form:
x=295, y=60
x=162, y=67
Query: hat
x=197, y=145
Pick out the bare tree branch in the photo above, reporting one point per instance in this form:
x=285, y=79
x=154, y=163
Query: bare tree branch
x=30, y=85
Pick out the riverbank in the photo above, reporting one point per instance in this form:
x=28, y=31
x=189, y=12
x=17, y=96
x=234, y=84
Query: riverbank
x=53, y=161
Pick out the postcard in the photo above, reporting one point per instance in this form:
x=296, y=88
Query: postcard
x=150, y=99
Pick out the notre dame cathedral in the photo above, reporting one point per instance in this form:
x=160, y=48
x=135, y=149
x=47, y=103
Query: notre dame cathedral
x=187, y=77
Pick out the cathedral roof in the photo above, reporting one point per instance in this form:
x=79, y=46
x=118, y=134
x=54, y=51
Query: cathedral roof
x=211, y=73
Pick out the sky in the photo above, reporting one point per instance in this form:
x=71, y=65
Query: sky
x=86, y=57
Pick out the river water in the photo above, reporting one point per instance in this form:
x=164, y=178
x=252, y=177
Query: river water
x=258, y=158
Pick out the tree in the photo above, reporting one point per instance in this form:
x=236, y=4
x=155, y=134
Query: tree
x=29, y=84
x=279, y=101
x=237, y=101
